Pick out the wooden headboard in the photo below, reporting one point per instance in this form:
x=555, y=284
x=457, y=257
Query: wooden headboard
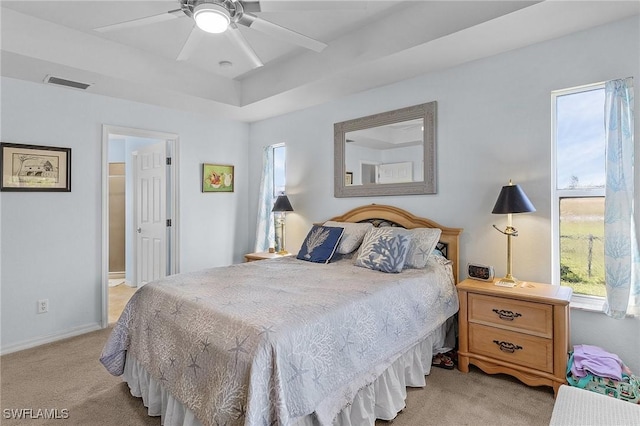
x=396, y=216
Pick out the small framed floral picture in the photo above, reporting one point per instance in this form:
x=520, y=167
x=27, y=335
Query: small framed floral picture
x=217, y=178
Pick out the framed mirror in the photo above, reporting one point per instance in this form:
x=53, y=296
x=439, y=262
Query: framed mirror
x=391, y=153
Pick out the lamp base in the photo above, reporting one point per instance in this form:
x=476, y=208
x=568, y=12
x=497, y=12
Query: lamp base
x=282, y=252
x=508, y=281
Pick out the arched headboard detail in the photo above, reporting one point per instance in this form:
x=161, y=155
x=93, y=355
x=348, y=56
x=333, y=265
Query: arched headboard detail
x=450, y=236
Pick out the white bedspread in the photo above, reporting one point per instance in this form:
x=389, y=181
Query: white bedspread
x=273, y=341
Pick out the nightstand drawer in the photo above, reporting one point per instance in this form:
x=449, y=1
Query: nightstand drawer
x=523, y=349
x=510, y=314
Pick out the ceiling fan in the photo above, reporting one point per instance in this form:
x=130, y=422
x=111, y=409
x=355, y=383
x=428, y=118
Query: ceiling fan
x=218, y=16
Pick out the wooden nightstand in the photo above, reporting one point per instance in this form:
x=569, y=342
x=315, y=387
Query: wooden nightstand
x=521, y=331
x=250, y=257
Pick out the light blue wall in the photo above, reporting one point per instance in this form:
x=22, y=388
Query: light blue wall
x=494, y=124
x=117, y=150
x=51, y=244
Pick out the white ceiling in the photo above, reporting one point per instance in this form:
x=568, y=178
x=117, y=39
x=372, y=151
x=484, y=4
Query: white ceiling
x=370, y=43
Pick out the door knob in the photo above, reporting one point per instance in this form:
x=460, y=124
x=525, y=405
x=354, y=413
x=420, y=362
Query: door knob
x=139, y=230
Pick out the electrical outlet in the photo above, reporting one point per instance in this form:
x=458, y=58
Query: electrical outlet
x=43, y=306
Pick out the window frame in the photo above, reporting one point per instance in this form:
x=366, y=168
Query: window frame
x=580, y=301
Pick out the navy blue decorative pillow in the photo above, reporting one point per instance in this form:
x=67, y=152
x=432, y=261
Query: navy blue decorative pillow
x=321, y=244
x=384, y=249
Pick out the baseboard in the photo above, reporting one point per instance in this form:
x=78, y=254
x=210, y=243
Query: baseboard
x=116, y=275
x=32, y=343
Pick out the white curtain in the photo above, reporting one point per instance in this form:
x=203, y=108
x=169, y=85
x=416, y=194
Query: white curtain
x=265, y=233
x=620, y=238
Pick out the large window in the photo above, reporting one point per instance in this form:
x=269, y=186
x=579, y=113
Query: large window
x=579, y=189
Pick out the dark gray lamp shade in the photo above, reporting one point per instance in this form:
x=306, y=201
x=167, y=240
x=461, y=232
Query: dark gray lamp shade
x=512, y=199
x=282, y=204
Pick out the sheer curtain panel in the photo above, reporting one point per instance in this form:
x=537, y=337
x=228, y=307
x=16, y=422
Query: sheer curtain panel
x=265, y=233
x=620, y=238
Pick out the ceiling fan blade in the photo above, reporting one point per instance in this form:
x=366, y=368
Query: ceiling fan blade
x=237, y=37
x=281, y=33
x=166, y=16
x=300, y=5
x=190, y=44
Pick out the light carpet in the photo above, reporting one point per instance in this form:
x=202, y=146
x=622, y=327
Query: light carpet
x=67, y=375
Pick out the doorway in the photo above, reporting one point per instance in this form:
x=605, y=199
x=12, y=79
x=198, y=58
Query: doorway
x=137, y=151
x=368, y=172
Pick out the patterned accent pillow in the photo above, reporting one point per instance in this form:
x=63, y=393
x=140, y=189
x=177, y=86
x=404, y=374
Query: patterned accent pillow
x=353, y=234
x=320, y=244
x=423, y=242
x=384, y=249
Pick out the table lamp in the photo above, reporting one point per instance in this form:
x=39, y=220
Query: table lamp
x=511, y=199
x=280, y=207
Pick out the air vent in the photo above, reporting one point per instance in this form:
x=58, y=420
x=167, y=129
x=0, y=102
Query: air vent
x=67, y=83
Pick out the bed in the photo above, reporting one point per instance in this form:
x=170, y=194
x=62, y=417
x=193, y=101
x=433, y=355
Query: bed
x=288, y=341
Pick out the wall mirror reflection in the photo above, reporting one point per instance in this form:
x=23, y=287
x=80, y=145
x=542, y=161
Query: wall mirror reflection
x=391, y=153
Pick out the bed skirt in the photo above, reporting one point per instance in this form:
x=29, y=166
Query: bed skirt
x=383, y=399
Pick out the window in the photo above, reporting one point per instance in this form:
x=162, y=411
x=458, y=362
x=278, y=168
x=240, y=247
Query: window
x=273, y=183
x=279, y=176
x=579, y=189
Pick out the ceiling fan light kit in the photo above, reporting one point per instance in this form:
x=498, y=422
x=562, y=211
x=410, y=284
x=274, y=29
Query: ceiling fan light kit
x=219, y=16
x=211, y=17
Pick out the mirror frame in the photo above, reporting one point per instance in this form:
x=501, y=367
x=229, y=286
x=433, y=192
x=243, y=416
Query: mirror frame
x=427, y=112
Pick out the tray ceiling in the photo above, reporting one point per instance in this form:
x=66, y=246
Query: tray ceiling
x=370, y=43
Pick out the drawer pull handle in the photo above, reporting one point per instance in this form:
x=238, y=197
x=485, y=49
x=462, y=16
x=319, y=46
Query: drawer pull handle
x=507, y=346
x=507, y=315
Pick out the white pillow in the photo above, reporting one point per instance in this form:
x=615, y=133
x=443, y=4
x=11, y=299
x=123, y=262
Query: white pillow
x=352, y=236
x=423, y=242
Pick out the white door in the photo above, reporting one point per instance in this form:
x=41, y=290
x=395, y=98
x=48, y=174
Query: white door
x=395, y=172
x=151, y=213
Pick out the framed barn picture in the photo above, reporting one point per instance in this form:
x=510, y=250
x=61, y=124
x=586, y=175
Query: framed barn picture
x=34, y=168
x=217, y=178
